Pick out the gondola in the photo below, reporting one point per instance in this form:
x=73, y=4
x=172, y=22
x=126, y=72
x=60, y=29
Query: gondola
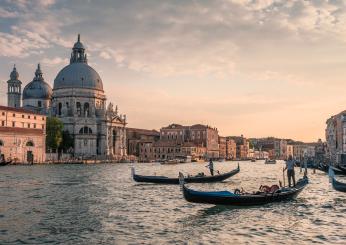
x=270, y=161
x=337, y=185
x=4, y=163
x=337, y=171
x=342, y=168
x=242, y=199
x=190, y=179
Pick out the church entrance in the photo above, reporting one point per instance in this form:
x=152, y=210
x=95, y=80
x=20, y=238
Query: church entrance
x=114, y=140
x=30, y=157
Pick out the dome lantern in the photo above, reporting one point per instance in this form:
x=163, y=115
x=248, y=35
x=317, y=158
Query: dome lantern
x=14, y=74
x=77, y=55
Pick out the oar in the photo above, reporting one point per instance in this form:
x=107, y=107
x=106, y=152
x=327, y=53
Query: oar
x=283, y=176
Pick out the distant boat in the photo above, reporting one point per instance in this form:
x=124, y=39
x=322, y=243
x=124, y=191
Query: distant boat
x=4, y=163
x=253, y=160
x=171, y=161
x=270, y=161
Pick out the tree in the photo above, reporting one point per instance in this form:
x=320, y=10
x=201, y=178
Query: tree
x=54, y=132
x=67, y=141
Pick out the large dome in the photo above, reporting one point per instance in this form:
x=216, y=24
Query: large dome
x=78, y=75
x=38, y=88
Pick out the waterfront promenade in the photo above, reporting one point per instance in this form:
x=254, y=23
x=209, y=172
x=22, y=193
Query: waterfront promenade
x=101, y=204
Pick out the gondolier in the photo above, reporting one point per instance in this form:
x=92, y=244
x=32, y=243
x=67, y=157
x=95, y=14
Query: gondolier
x=290, y=163
x=211, y=167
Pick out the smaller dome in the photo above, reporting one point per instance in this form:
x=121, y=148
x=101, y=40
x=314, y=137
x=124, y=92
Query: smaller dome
x=38, y=88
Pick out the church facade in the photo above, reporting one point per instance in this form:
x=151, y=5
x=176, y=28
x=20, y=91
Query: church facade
x=79, y=101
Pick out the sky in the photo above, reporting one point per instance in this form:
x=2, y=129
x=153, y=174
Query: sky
x=252, y=67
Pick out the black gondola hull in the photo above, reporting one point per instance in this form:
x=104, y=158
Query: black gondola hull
x=5, y=163
x=338, y=185
x=175, y=181
x=242, y=200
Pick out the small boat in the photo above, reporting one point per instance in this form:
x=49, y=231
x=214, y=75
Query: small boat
x=191, y=179
x=337, y=185
x=4, y=163
x=242, y=199
x=171, y=161
x=270, y=161
x=253, y=160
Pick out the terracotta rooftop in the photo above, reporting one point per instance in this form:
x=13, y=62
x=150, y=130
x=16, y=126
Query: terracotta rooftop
x=6, y=108
x=144, y=131
x=21, y=130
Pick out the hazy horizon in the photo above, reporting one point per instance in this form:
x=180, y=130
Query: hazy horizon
x=257, y=68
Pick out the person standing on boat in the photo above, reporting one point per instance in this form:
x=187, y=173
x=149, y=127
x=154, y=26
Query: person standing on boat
x=290, y=163
x=211, y=167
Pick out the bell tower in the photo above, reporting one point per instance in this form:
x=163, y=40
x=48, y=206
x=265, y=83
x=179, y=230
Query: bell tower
x=14, y=91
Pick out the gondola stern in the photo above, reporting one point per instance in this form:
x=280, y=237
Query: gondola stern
x=181, y=180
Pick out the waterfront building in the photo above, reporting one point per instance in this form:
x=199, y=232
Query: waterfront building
x=222, y=147
x=336, y=138
x=289, y=151
x=139, y=141
x=169, y=150
x=200, y=135
x=280, y=148
x=22, y=135
x=243, y=145
x=231, y=149
x=79, y=101
x=320, y=151
x=303, y=151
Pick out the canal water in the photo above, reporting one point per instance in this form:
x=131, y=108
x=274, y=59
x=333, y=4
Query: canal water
x=100, y=204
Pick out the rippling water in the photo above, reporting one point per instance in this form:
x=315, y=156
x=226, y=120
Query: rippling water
x=100, y=204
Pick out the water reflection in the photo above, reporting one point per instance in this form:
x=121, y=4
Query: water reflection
x=95, y=204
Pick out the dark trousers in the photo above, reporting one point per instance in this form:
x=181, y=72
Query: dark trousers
x=290, y=174
x=211, y=171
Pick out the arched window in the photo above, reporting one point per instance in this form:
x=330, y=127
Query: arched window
x=85, y=130
x=86, y=109
x=1, y=143
x=79, y=109
x=29, y=143
x=59, y=109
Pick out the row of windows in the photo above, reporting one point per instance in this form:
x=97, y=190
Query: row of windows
x=85, y=110
x=159, y=150
x=29, y=143
x=23, y=116
x=28, y=125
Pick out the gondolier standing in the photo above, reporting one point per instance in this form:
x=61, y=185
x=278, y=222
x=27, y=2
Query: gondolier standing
x=211, y=167
x=290, y=170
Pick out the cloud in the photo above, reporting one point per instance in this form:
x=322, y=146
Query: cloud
x=14, y=46
x=54, y=61
x=7, y=14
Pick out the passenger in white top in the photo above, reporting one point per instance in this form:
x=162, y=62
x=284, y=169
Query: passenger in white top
x=290, y=163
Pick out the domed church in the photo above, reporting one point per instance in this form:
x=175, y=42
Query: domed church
x=79, y=101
